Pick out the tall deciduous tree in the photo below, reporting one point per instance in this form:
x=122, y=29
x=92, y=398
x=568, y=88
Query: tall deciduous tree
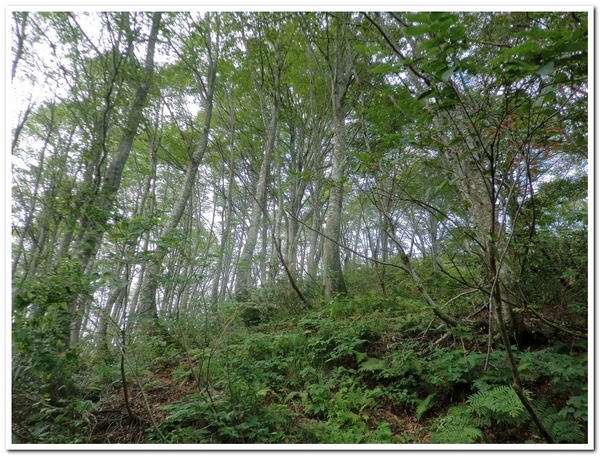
x=340, y=65
x=258, y=53
x=205, y=33
x=94, y=226
x=488, y=102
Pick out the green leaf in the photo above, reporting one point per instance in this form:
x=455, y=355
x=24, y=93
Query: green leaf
x=448, y=73
x=383, y=68
x=542, y=99
x=361, y=156
x=548, y=89
x=432, y=52
x=456, y=33
x=366, y=49
x=545, y=69
x=431, y=43
x=443, y=25
x=573, y=47
x=437, y=15
x=360, y=356
x=418, y=17
x=524, y=64
x=439, y=66
x=425, y=405
x=407, y=62
x=425, y=94
x=263, y=392
x=417, y=30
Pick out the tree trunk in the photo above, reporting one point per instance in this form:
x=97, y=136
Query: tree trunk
x=242, y=282
x=333, y=278
x=215, y=294
x=314, y=249
x=103, y=320
x=88, y=246
x=36, y=187
x=20, y=19
x=478, y=191
x=154, y=269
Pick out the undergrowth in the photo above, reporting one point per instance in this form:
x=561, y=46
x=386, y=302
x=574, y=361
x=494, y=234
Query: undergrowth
x=347, y=371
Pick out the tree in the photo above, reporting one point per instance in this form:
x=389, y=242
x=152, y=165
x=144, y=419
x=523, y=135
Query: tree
x=340, y=73
x=208, y=29
x=173, y=171
x=488, y=119
x=61, y=293
x=269, y=109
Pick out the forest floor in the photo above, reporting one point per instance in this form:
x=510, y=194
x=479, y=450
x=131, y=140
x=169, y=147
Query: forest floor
x=115, y=426
x=377, y=381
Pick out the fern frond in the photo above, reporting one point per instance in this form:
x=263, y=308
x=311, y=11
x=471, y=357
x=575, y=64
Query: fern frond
x=425, y=405
x=563, y=429
x=372, y=365
x=499, y=402
x=466, y=434
x=457, y=426
x=462, y=423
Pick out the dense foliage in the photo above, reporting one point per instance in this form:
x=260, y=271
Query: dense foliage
x=299, y=227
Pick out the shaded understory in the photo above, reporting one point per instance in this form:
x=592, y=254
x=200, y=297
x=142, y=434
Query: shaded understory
x=363, y=370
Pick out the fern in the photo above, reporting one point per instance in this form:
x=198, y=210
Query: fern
x=457, y=426
x=563, y=429
x=462, y=423
x=425, y=405
x=372, y=365
x=499, y=402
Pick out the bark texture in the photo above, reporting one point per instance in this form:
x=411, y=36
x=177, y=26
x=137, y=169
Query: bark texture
x=341, y=69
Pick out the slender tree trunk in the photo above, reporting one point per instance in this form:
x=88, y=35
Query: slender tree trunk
x=36, y=187
x=88, y=246
x=242, y=282
x=480, y=194
x=20, y=19
x=245, y=263
x=498, y=306
x=103, y=320
x=92, y=237
x=226, y=221
x=432, y=227
x=154, y=268
x=314, y=249
x=264, y=259
x=333, y=278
